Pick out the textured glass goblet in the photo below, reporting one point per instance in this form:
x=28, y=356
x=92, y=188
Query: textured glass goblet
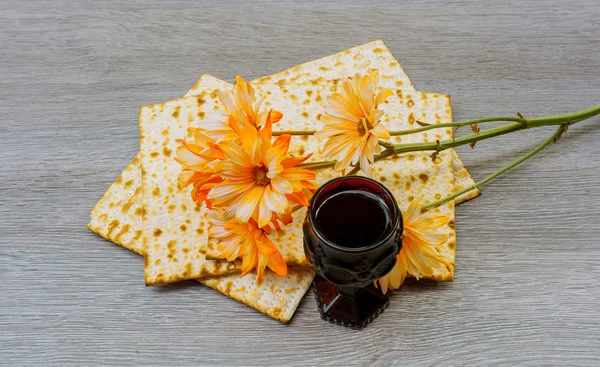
x=352, y=234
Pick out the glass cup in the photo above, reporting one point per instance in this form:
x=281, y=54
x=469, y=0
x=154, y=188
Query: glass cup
x=346, y=266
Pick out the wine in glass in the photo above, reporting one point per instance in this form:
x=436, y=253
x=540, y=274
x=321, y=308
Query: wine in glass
x=352, y=234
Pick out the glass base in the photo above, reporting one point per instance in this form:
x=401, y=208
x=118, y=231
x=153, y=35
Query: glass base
x=352, y=310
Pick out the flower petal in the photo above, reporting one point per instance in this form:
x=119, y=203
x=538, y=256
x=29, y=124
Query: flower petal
x=249, y=135
x=276, y=263
x=226, y=190
x=383, y=94
x=412, y=212
x=343, y=106
x=235, y=153
x=383, y=283
x=228, y=99
x=296, y=173
x=274, y=169
x=294, y=161
x=298, y=198
x=266, y=132
x=279, y=148
x=380, y=131
x=233, y=124
x=264, y=213
x=365, y=165
x=215, y=151
x=250, y=259
x=184, y=177
x=275, y=201
x=261, y=265
x=398, y=274
x=282, y=185
x=262, y=117
x=276, y=116
x=188, y=159
x=248, y=202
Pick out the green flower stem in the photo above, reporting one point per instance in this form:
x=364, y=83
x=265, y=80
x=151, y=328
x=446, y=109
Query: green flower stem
x=566, y=119
x=518, y=124
x=535, y=122
x=294, y=132
x=454, y=124
x=386, y=144
x=316, y=166
x=547, y=142
x=353, y=172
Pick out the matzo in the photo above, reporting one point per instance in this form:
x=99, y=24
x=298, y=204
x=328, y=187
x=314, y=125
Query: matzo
x=115, y=222
x=123, y=198
x=302, y=105
x=361, y=59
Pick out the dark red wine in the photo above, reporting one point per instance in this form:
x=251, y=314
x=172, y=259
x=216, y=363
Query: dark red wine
x=353, y=219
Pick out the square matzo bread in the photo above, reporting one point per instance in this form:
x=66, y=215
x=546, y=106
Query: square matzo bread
x=170, y=251
x=117, y=215
x=373, y=55
x=127, y=189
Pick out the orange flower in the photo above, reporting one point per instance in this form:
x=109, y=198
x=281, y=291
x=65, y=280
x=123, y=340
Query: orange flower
x=352, y=123
x=259, y=179
x=247, y=241
x=195, y=156
x=243, y=106
x=418, y=256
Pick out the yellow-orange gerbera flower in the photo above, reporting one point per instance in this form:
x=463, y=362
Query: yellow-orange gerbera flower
x=195, y=156
x=241, y=103
x=352, y=123
x=247, y=241
x=259, y=179
x=418, y=256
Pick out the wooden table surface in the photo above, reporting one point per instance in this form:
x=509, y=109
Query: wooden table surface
x=73, y=74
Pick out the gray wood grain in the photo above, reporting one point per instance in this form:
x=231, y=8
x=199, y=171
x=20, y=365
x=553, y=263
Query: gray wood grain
x=72, y=75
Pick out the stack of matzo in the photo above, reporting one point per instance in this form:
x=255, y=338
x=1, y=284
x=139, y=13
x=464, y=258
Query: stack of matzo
x=146, y=212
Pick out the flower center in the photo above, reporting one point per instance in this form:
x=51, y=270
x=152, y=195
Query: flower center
x=260, y=176
x=364, y=126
